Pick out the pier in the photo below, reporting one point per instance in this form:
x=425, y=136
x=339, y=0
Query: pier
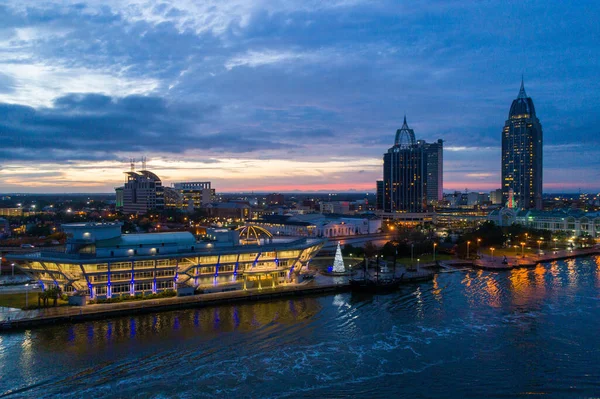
x=23, y=319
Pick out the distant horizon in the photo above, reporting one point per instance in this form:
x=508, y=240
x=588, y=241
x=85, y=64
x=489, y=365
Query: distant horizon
x=280, y=96
x=251, y=192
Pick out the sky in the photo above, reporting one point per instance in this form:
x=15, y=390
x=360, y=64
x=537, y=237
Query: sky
x=270, y=95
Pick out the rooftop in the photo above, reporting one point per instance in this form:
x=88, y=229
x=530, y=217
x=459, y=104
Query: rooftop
x=201, y=249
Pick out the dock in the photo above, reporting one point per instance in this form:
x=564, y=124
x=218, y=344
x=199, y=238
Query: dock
x=17, y=319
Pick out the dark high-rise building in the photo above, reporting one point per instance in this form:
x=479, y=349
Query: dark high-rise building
x=435, y=170
x=412, y=174
x=522, y=154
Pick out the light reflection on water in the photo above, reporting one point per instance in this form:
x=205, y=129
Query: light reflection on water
x=479, y=333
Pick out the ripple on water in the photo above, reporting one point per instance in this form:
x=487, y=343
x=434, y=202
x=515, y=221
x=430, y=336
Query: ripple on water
x=478, y=333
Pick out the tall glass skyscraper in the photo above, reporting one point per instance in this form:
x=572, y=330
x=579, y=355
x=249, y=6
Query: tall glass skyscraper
x=412, y=174
x=522, y=154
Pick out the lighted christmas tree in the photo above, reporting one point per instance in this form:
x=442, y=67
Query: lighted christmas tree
x=338, y=262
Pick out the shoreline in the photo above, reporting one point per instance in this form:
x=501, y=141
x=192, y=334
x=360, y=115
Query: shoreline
x=514, y=262
x=322, y=285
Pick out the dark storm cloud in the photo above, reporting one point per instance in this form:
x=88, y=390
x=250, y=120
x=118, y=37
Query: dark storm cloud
x=305, y=80
x=95, y=126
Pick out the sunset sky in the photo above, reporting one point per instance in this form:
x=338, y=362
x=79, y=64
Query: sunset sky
x=289, y=95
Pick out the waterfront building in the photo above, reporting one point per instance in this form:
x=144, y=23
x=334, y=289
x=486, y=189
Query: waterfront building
x=412, y=174
x=320, y=225
x=571, y=221
x=143, y=191
x=522, y=154
x=100, y=262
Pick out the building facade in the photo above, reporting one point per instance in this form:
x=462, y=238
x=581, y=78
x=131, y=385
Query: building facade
x=522, y=154
x=142, y=192
x=412, y=174
x=100, y=262
x=434, y=153
x=196, y=194
x=571, y=221
x=319, y=225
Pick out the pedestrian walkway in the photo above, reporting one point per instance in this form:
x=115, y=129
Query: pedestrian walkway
x=530, y=260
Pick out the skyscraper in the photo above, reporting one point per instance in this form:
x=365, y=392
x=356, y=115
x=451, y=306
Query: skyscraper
x=412, y=174
x=435, y=170
x=522, y=154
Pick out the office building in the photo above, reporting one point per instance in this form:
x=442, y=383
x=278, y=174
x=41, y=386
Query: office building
x=496, y=197
x=195, y=194
x=142, y=192
x=412, y=174
x=522, y=154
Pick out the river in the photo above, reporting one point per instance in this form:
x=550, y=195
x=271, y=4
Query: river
x=466, y=334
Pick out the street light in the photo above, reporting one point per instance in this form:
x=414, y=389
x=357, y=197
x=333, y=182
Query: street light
x=26, y=295
x=434, y=245
x=418, y=263
x=539, y=246
x=13, y=269
x=522, y=250
x=478, y=244
x=468, y=243
x=412, y=247
x=492, y=249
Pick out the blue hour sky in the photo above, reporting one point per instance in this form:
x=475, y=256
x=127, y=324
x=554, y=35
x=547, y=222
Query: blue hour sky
x=289, y=95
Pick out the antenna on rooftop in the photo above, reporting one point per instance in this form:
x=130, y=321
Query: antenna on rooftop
x=132, y=164
x=144, y=163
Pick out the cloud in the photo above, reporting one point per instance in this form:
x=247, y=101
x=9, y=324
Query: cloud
x=87, y=82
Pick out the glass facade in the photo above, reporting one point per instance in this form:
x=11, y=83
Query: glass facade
x=522, y=154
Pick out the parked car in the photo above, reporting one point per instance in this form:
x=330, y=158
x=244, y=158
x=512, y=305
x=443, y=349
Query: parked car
x=27, y=246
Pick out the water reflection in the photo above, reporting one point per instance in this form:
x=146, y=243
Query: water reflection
x=480, y=333
x=207, y=322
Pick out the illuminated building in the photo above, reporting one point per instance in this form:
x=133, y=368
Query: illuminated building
x=142, y=192
x=412, y=174
x=14, y=212
x=195, y=194
x=319, y=225
x=522, y=154
x=100, y=262
x=119, y=198
x=571, y=221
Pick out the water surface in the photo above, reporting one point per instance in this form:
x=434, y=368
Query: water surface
x=466, y=334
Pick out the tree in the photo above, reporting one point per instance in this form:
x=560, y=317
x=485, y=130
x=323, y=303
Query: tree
x=370, y=249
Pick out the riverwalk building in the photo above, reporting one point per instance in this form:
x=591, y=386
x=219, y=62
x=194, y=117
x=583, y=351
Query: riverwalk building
x=571, y=221
x=100, y=262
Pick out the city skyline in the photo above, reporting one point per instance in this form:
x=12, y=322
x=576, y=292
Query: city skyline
x=287, y=96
